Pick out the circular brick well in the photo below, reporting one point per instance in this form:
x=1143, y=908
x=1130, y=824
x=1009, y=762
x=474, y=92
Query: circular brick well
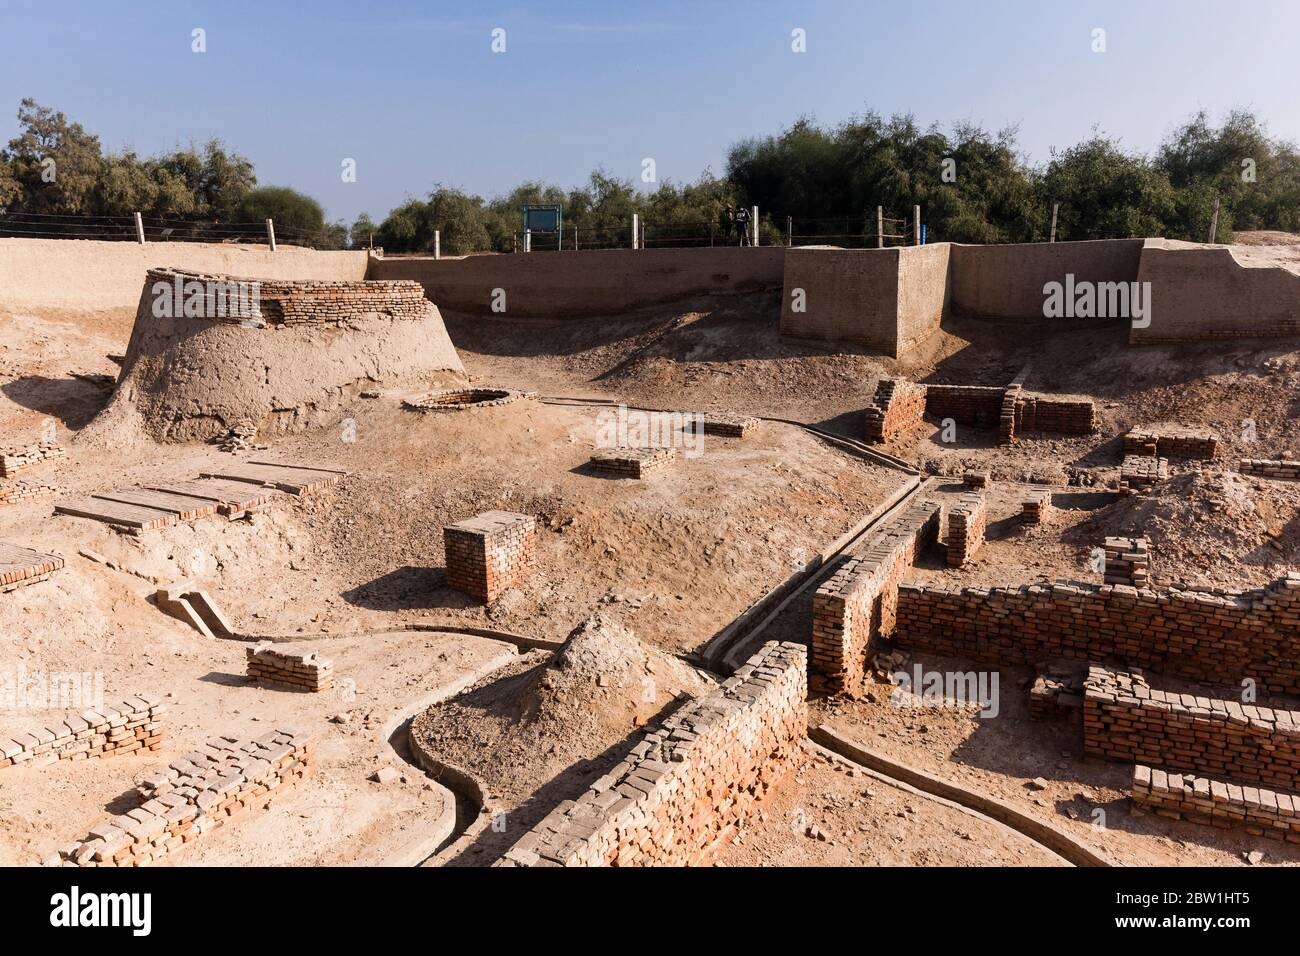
x=460, y=399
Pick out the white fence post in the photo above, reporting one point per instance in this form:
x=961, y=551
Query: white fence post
x=270, y=234
x=916, y=225
x=528, y=240
x=437, y=243
x=1051, y=236
x=636, y=229
x=139, y=229
x=753, y=218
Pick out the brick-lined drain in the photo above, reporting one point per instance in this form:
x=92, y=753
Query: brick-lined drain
x=459, y=399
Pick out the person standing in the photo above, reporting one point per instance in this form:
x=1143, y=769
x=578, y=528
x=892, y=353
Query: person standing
x=742, y=225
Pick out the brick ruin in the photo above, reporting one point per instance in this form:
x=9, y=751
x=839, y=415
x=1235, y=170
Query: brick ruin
x=20, y=567
x=899, y=406
x=15, y=460
x=727, y=426
x=1057, y=691
x=1127, y=561
x=196, y=794
x=1037, y=506
x=287, y=302
x=1205, y=636
x=302, y=670
x=1125, y=719
x=462, y=399
x=683, y=791
x=858, y=601
x=966, y=523
x=490, y=552
x=1217, y=803
x=631, y=462
x=130, y=726
x=23, y=490
x=1269, y=468
x=1172, y=441
x=1139, y=472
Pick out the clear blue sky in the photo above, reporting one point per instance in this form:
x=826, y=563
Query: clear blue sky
x=413, y=92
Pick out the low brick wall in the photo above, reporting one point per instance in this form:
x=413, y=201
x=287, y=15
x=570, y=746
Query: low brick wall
x=1213, y=637
x=1173, y=441
x=897, y=408
x=20, y=491
x=632, y=462
x=490, y=552
x=857, y=602
x=1036, y=508
x=14, y=460
x=966, y=522
x=977, y=405
x=131, y=726
x=1125, y=719
x=305, y=671
x=195, y=795
x=1270, y=813
x=1066, y=416
x=687, y=787
x=284, y=302
x=1269, y=468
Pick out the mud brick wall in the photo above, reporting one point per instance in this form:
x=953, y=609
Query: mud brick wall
x=1007, y=415
x=131, y=726
x=686, y=788
x=490, y=552
x=632, y=462
x=1270, y=813
x=966, y=522
x=857, y=602
x=1214, y=637
x=196, y=794
x=301, y=302
x=1124, y=719
x=897, y=407
x=1173, y=441
x=26, y=491
x=1127, y=561
x=1269, y=468
x=727, y=426
x=15, y=459
x=1067, y=416
x=306, y=671
x=977, y=405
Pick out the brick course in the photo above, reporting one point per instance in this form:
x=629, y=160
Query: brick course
x=1172, y=441
x=490, y=552
x=130, y=726
x=1204, y=636
x=1269, y=468
x=13, y=460
x=1125, y=719
x=1218, y=803
x=304, y=670
x=18, y=491
x=686, y=788
x=196, y=794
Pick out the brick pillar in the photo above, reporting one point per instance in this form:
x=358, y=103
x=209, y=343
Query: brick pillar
x=1127, y=561
x=488, y=553
x=966, y=523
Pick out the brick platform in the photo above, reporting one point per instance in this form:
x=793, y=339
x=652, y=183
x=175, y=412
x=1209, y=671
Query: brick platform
x=14, y=460
x=20, y=491
x=857, y=602
x=490, y=552
x=1172, y=441
x=727, y=426
x=1269, y=467
x=1269, y=813
x=1138, y=472
x=1125, y=719
x=976, y=479
x=1201, y=635
x=196, y=794
x=632, y=462
x=966, y=522
x=130, y=726
x=1127, y=561
x=21, y=566
x=304, y=670
x=687, y=787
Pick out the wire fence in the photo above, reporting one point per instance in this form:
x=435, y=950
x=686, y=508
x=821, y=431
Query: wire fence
x=156, y=229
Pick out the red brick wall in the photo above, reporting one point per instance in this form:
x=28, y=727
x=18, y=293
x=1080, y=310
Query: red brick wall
x=1217, y=803
x=685, y=789
x=898, y=407
x=1209, y=637
x=488, y=553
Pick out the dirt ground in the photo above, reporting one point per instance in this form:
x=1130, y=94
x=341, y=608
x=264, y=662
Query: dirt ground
x=663, y=565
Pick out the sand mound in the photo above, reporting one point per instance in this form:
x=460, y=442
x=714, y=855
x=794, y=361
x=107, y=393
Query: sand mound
x=543, y=719
x=208, y=352
x=1212, y=528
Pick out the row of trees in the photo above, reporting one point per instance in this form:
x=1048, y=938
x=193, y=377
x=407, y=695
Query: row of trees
x=973, y=186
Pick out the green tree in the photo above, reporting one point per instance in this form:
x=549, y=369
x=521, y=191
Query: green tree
x=298, y=218
x=54, y=163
